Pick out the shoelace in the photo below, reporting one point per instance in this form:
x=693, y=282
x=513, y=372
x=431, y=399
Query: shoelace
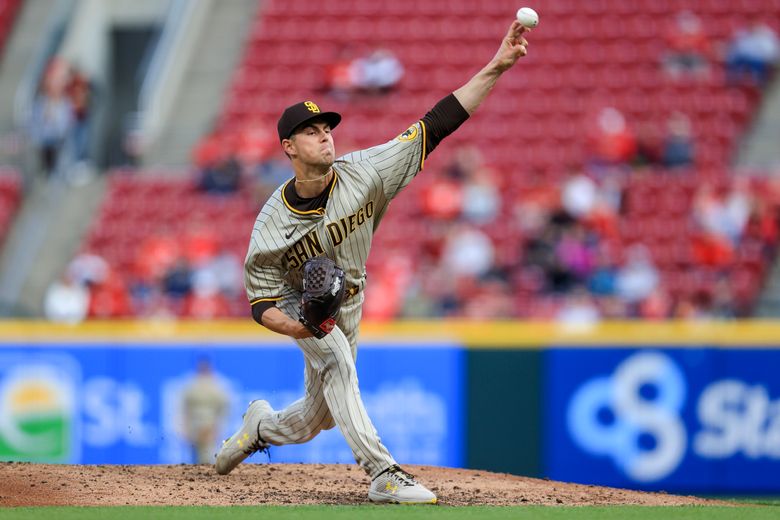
x=403, y=477
x=258, y=446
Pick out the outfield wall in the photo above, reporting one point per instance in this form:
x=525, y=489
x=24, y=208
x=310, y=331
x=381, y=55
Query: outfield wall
x=676, y=406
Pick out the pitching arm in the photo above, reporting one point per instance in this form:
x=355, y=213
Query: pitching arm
x=512, y=48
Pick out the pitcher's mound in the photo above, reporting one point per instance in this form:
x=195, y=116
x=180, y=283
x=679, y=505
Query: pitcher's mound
x=26, y=484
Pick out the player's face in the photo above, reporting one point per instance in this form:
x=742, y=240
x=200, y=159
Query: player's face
x=313, y=144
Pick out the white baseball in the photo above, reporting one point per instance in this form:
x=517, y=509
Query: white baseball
x=527, y=17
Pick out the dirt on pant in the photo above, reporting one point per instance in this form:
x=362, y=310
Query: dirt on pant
x=27, y=484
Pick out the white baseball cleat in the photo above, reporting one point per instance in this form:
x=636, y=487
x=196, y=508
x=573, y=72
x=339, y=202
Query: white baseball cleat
x=245, y=441
x=395, y=486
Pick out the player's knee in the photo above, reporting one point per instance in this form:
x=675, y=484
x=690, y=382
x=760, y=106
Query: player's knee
x=328, y=423
x=341, y=360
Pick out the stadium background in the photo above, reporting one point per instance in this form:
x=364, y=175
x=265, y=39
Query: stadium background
x=559, y=296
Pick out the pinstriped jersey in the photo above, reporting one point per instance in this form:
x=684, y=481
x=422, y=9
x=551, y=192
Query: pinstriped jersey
x=365, y=182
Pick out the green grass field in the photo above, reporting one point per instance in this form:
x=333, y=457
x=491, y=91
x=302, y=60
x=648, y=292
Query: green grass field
x=747, y=511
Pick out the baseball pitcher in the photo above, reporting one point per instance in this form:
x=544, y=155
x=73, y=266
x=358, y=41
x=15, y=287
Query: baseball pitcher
x=305, y=271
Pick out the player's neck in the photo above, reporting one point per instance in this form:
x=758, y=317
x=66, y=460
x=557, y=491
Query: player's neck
x=309, y=184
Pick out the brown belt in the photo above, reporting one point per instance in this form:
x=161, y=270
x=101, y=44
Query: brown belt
x=351, y=291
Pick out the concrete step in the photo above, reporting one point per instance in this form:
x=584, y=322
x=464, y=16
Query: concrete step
x=205, y=82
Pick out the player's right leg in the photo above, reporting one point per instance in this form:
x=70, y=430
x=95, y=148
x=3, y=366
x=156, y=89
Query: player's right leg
x=396, y=486
x=333, y=359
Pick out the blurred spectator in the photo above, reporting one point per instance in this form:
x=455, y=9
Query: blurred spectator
x=678, y=142
x=205, y=303
x=155, y=256
x=481, y=198
x=253, y=145
x=492, y=300
x=764, y=225
x=221, y=177
x=688, y=47
x=737, y=204
x=603, y=278
x=199, y=243
x=657, y=305
x=51, y=121
x=340, y=75
x=377, y=73
x=722, y=305
x=539, y=248
x=222, y=272
x=80, y=91
x=210, y=150
x=638, y=277
x=465, y=160
x=177, y=281
x=443, y=198
x=578, y=195
x=205, y=405
x=578, y=309
x=720, y=223
x=431, y=293
x=649, y=146
x=88, y=269
x=575, y=252
x=269, y=175
x=560, y=279
x=709, y=213
x=611, y=141
x=603, y=219
x=66, y=301
x=751, y=54
x=712, y=250
x=696, y=306
x=389, y=281
x=468, y=252
x=110, y=298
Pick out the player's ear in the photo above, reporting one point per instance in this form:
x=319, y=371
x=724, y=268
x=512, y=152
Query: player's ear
x=288, y=147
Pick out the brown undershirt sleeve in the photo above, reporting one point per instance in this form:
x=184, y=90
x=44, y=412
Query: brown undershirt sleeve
x=443, y=119
x=259, y=308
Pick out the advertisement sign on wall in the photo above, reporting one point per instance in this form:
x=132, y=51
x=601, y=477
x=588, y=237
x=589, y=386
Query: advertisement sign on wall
x=673, y=419
x=123, y=405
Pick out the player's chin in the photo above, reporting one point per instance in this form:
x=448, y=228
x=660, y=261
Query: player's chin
x=328, y=157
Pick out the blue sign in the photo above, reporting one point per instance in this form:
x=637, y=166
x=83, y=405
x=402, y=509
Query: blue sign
x=673, y=419
x=104, y=404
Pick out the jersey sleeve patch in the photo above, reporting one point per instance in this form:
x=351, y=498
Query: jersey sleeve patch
x=409, y=135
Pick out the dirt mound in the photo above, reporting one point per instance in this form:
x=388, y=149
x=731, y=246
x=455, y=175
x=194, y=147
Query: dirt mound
x=25, y=484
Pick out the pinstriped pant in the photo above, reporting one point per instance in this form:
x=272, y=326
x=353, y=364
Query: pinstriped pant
x=332, y=395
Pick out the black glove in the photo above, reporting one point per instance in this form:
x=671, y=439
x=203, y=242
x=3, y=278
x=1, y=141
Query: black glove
x=323, y=294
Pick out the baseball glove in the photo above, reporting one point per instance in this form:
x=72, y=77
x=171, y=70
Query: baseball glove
x=323, y=294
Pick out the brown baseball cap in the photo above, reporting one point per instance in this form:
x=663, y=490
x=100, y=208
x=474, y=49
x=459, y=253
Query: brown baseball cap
x=299, y=113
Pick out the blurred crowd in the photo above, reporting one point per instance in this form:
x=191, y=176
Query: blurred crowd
x=562, y=251
x=749, y=56
x=355, y=73
x=467, y=243
x=171, y=276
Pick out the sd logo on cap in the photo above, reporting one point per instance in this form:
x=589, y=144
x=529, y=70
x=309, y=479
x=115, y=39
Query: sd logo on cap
x=299, y=113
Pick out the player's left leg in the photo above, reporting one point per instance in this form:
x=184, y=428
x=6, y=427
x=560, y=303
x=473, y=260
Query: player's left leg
x=245, y=441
